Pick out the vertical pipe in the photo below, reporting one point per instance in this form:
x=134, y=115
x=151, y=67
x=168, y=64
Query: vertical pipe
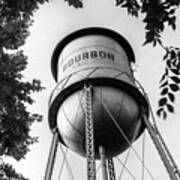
x=89, y=134
x=103, y=162
x=160, y=149
x=111, y=170
x=52, y=155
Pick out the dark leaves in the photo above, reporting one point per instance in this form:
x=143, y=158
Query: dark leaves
x=119, y=2
x=165, y=106
x=152, y=37
x=176, y=79
x=162, y=101
x=170, y=108
x=159, y=111
x=157, y=15
x=75, y=3
x=164, y=91
x=174, y=87
x=132, y=6
x=10, y=173
x=171, y=97
x=164, y=84
x=170, y=81
x=15, y=92
x=162, y=113
x=176, y=71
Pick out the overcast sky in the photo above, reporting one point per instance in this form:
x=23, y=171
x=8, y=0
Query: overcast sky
x=51, y=23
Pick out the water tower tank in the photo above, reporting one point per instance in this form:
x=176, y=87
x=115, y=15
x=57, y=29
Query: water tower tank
x=102, y=58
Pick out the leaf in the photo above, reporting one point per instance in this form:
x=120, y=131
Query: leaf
x=154, y=42
x=170, y=108
x=174, y=87
x=173, y=54
x=149, y=38
x=164, y=115
x=75, y=3
x=163, y=77
x=175, y=79
x=171, y=97
x=11, y=172
x=172, y=11
x=119, y=2
x=164, y=91
x=169, y=64
x=164, y=84
x=162, y=101
x=159, y=111
x=159, y=41
x=165, y=56
x=176, y=71
x=166, y=71
x=172, y=22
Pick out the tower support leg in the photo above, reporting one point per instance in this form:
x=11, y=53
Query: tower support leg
x=160, y=149
x=111, y=170
x=52, y=155
x=89, y=135
x=103, y=162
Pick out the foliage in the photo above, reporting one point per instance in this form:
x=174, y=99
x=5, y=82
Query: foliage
x=8, y=172
x=15, y=93
x=170, y=81
x=75, y=3
x=158, y=14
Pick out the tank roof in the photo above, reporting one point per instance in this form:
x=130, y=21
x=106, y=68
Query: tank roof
x=85, y=32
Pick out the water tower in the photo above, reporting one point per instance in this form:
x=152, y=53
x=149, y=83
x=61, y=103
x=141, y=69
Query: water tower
x=96, y=108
